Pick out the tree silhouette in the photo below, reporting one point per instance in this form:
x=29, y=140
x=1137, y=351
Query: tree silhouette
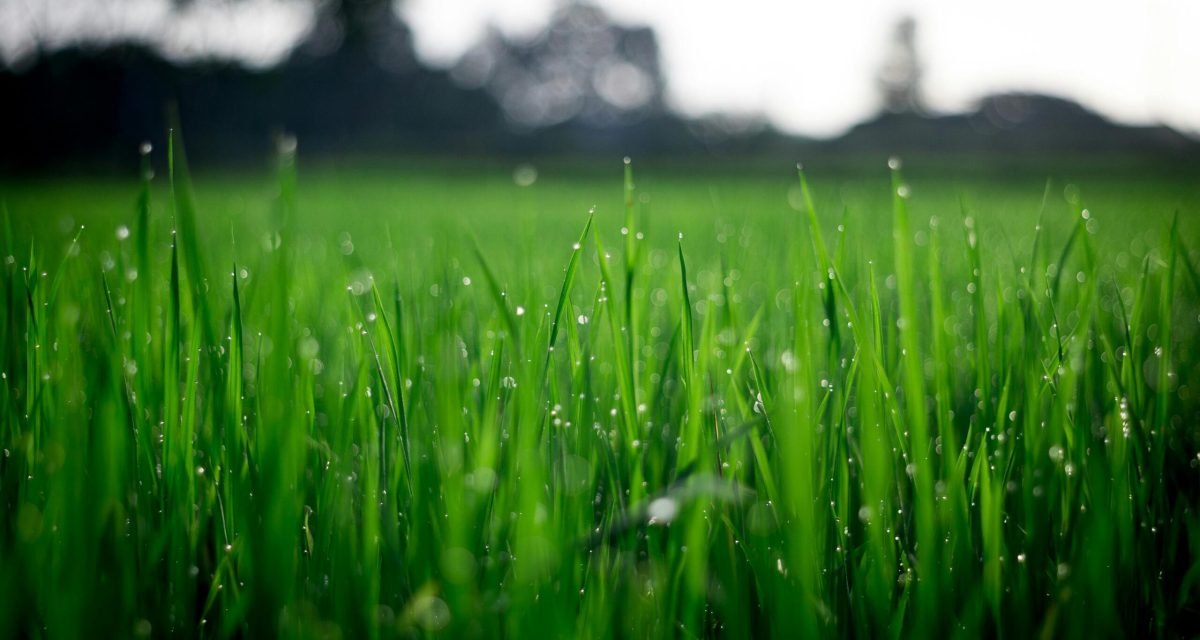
x=365, y=31
x=582, y=67
x=899, y=77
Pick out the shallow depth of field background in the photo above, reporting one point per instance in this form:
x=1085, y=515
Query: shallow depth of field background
x=323, y=319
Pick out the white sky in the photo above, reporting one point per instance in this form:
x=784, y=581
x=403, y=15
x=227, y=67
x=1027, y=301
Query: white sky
x=808, y=66
x=258, y=32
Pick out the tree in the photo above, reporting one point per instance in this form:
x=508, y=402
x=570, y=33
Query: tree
x=366, y=30
x=899, y=77
x=581, y=67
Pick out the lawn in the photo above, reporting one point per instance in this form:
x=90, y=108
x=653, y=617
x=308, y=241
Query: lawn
x=457, y=399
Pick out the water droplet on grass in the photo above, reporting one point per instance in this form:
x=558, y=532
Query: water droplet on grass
x=662, y=511
x=524, y=175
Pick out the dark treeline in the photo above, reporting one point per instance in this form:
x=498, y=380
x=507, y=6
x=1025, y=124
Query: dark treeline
x=354, y=85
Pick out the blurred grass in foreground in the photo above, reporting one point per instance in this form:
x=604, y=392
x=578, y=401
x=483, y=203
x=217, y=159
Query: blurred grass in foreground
x=378, y=402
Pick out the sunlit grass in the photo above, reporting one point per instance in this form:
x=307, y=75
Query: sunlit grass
x=456, y=406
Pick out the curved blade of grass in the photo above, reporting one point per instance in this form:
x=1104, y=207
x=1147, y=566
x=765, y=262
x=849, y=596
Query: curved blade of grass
x=565, y=291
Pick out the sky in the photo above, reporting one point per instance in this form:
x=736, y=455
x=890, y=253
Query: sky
x=808, y=67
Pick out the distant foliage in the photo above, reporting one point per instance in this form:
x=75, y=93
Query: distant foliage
x=582, y=66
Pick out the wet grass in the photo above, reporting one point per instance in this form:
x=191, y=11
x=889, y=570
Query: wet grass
x=370, y=403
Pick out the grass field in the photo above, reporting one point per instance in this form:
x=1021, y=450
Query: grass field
x=427, y=401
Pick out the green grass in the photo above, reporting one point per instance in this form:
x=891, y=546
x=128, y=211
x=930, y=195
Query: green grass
x=413, y=401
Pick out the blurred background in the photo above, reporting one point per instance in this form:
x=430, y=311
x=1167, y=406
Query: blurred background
x=84, y=82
